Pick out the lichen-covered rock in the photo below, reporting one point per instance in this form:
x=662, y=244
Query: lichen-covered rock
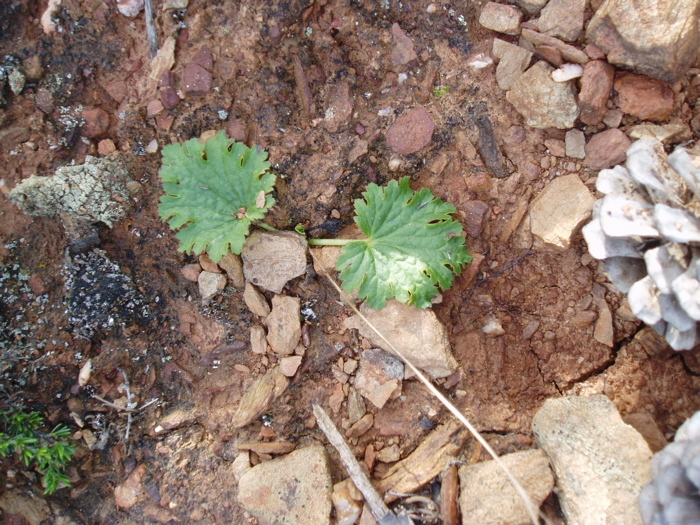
x=92, y=192
x=647, y=229
x=672, y=495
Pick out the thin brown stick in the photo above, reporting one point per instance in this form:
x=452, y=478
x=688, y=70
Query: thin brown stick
x=151, y=32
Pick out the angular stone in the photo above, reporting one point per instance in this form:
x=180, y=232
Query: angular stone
x=607, y=149
x=568, y=52
x=475, y=213
x=389, y=454
x=292, y=490
x=169, y=97
x=361, y=427
x=347, y=501
x=603, y=331
x=543, y=102
x=659, y=38
x=379, y=376
x=556, y=147
x=501, y=17
x=271, y=259
x=575, y=142
x=210, y=284
x=290, y=365
x=283, y=324
x=411, y=132
x=416, y=333
x=549, y=53
x=258, y=340
x=403, y=51
x=487, y=496
x=512, y=62
x=196, y=81
x=601, y=464
x=128, y=494
x=258, y=396
x=118, y=90
x=562, y=19
x=596, y=85
x=356, y=405
x=644, y=97
x=532, y=6
x=560, y=209
x=232, y=265
x=96, y=122
x=255, y=301
x=340, y=107
x=204, y=58
x=13, y=137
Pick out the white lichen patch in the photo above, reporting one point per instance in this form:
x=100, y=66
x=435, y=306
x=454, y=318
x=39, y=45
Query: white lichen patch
x=92, y=192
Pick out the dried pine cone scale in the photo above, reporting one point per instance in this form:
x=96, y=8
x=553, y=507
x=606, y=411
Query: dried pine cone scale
x=647, y=230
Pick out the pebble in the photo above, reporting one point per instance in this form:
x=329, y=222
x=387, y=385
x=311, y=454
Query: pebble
x=512, y=62
x=169, y=97
x=568, y=52
x=644, y=97
x=379, y=376
x=475, y=214
x=235, y=130
x=654, y=38
x=501, y=18
x=410, y=132
x=575, y=143
x=613, y=118
x=389, y=454
x=361, y=427
x=559, y=210
x=128, y=494
x=105, y=147
x=154, y=107
x=418, y=333
x=556, y=147
x=603, y=331
x=118, y=90
x=255, y=301
x=294, y=489
x=356, y=405
x=284, y=325
x=543, y=102
x=594, y=52
x=563, y=19
x=271, y=259
x=596, y=85
x=232, y=265
x=258, y=340
x=290, y=365
x=204, y=58
x=532, y=6
x=549, y=53
x=196, y=81
x=487, y=496
x=347, y=501
x=96, y=122
x=606, y=149
x=210, y=285
x=403, y=51
x=152, y=147
x=600, y=463
x=258, y=397
x=340, y=107
x=130, y=8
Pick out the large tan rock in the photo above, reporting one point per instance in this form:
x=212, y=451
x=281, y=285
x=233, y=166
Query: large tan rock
x=417, y=333
x=560, y=209
x=271, y=259
x=658, y=38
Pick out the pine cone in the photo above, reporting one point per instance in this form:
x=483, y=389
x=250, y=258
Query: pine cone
x=647, y=230
x=672, y=497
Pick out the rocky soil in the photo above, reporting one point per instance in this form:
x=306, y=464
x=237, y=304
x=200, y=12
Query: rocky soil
x=195, y=402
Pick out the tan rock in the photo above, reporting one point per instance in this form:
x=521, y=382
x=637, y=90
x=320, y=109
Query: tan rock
x=210, y=285
x=379, y=376
x=361, y=427
x=271, y=259
x=290, y=365
x=416, y=333
x=255, y=301
x=502, y=18
x=128, y=494
x=258, y=340
x=232, y=265
x=284, y=325
x=258, y=396
x=512, y=62
x=208, y=265
x=389, y=454
x=347, y=500
x=560, y=209
x=568, y=52
x=562, y=19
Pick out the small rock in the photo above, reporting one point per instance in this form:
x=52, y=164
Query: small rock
x=290, y=365
x=411, y=132
x=418, y=333
x=255, y=301
x=562, y=19
x=389, y=454
x=258, y=396
x=105, y=147
x=176, y=419
x=96, y=122
x=549, y=53
x=664, y=133
x=501, y=17
x=347, y=501
x=532, y=6
x=283, y=324
x=340, y=108
x=488, y=497
x=475, y=213
x=16, y=80
x=356, y=405
x=152, y=147
x=403, y=51
x=643, y=97
x=204, y=58
x=361, y=427
x=210, y=284
x=293, y=490
x=118, y=90
x=659, y=38
x=493, y=327
x=613, y=118
x=154, y=107
x=130, y=8
x=271, y=259
x=335, y=400
x=556, y=147
x=543, y=102
x=232, y=265
x=596, y=85
x=575, y=142
x=33, y=69
x=131, y=491
x=603, y=331
x=37, y=285
x=379, y=376
x=512, y=62
x=191, y=272
x=235, y=130
x=600, y=463
x=606, y=149
x=196, y=81
x=169, y=97
x=258, y=340
x=270, y=447
x=568, y=52
x=240, y=465
x=560, y=209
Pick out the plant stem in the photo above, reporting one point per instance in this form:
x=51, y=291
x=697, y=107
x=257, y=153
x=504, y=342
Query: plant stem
x=265, y=226
x=329, y=242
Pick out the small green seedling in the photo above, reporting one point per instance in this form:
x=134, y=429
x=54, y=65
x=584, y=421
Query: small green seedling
x=441, y=91
x=412, y=246
x=22, y=433
x=214, y=191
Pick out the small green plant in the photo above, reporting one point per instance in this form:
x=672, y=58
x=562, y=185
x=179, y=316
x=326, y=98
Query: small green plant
x=22, y=434
x=441, y=91
x=214, y=191
x=412, y=246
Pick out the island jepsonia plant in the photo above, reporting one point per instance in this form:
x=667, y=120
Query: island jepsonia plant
x=412, y=249
x=22, y=433
x=214, y=191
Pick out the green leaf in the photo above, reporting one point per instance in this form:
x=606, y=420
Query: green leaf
x=412, y=247
x=213, y=191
